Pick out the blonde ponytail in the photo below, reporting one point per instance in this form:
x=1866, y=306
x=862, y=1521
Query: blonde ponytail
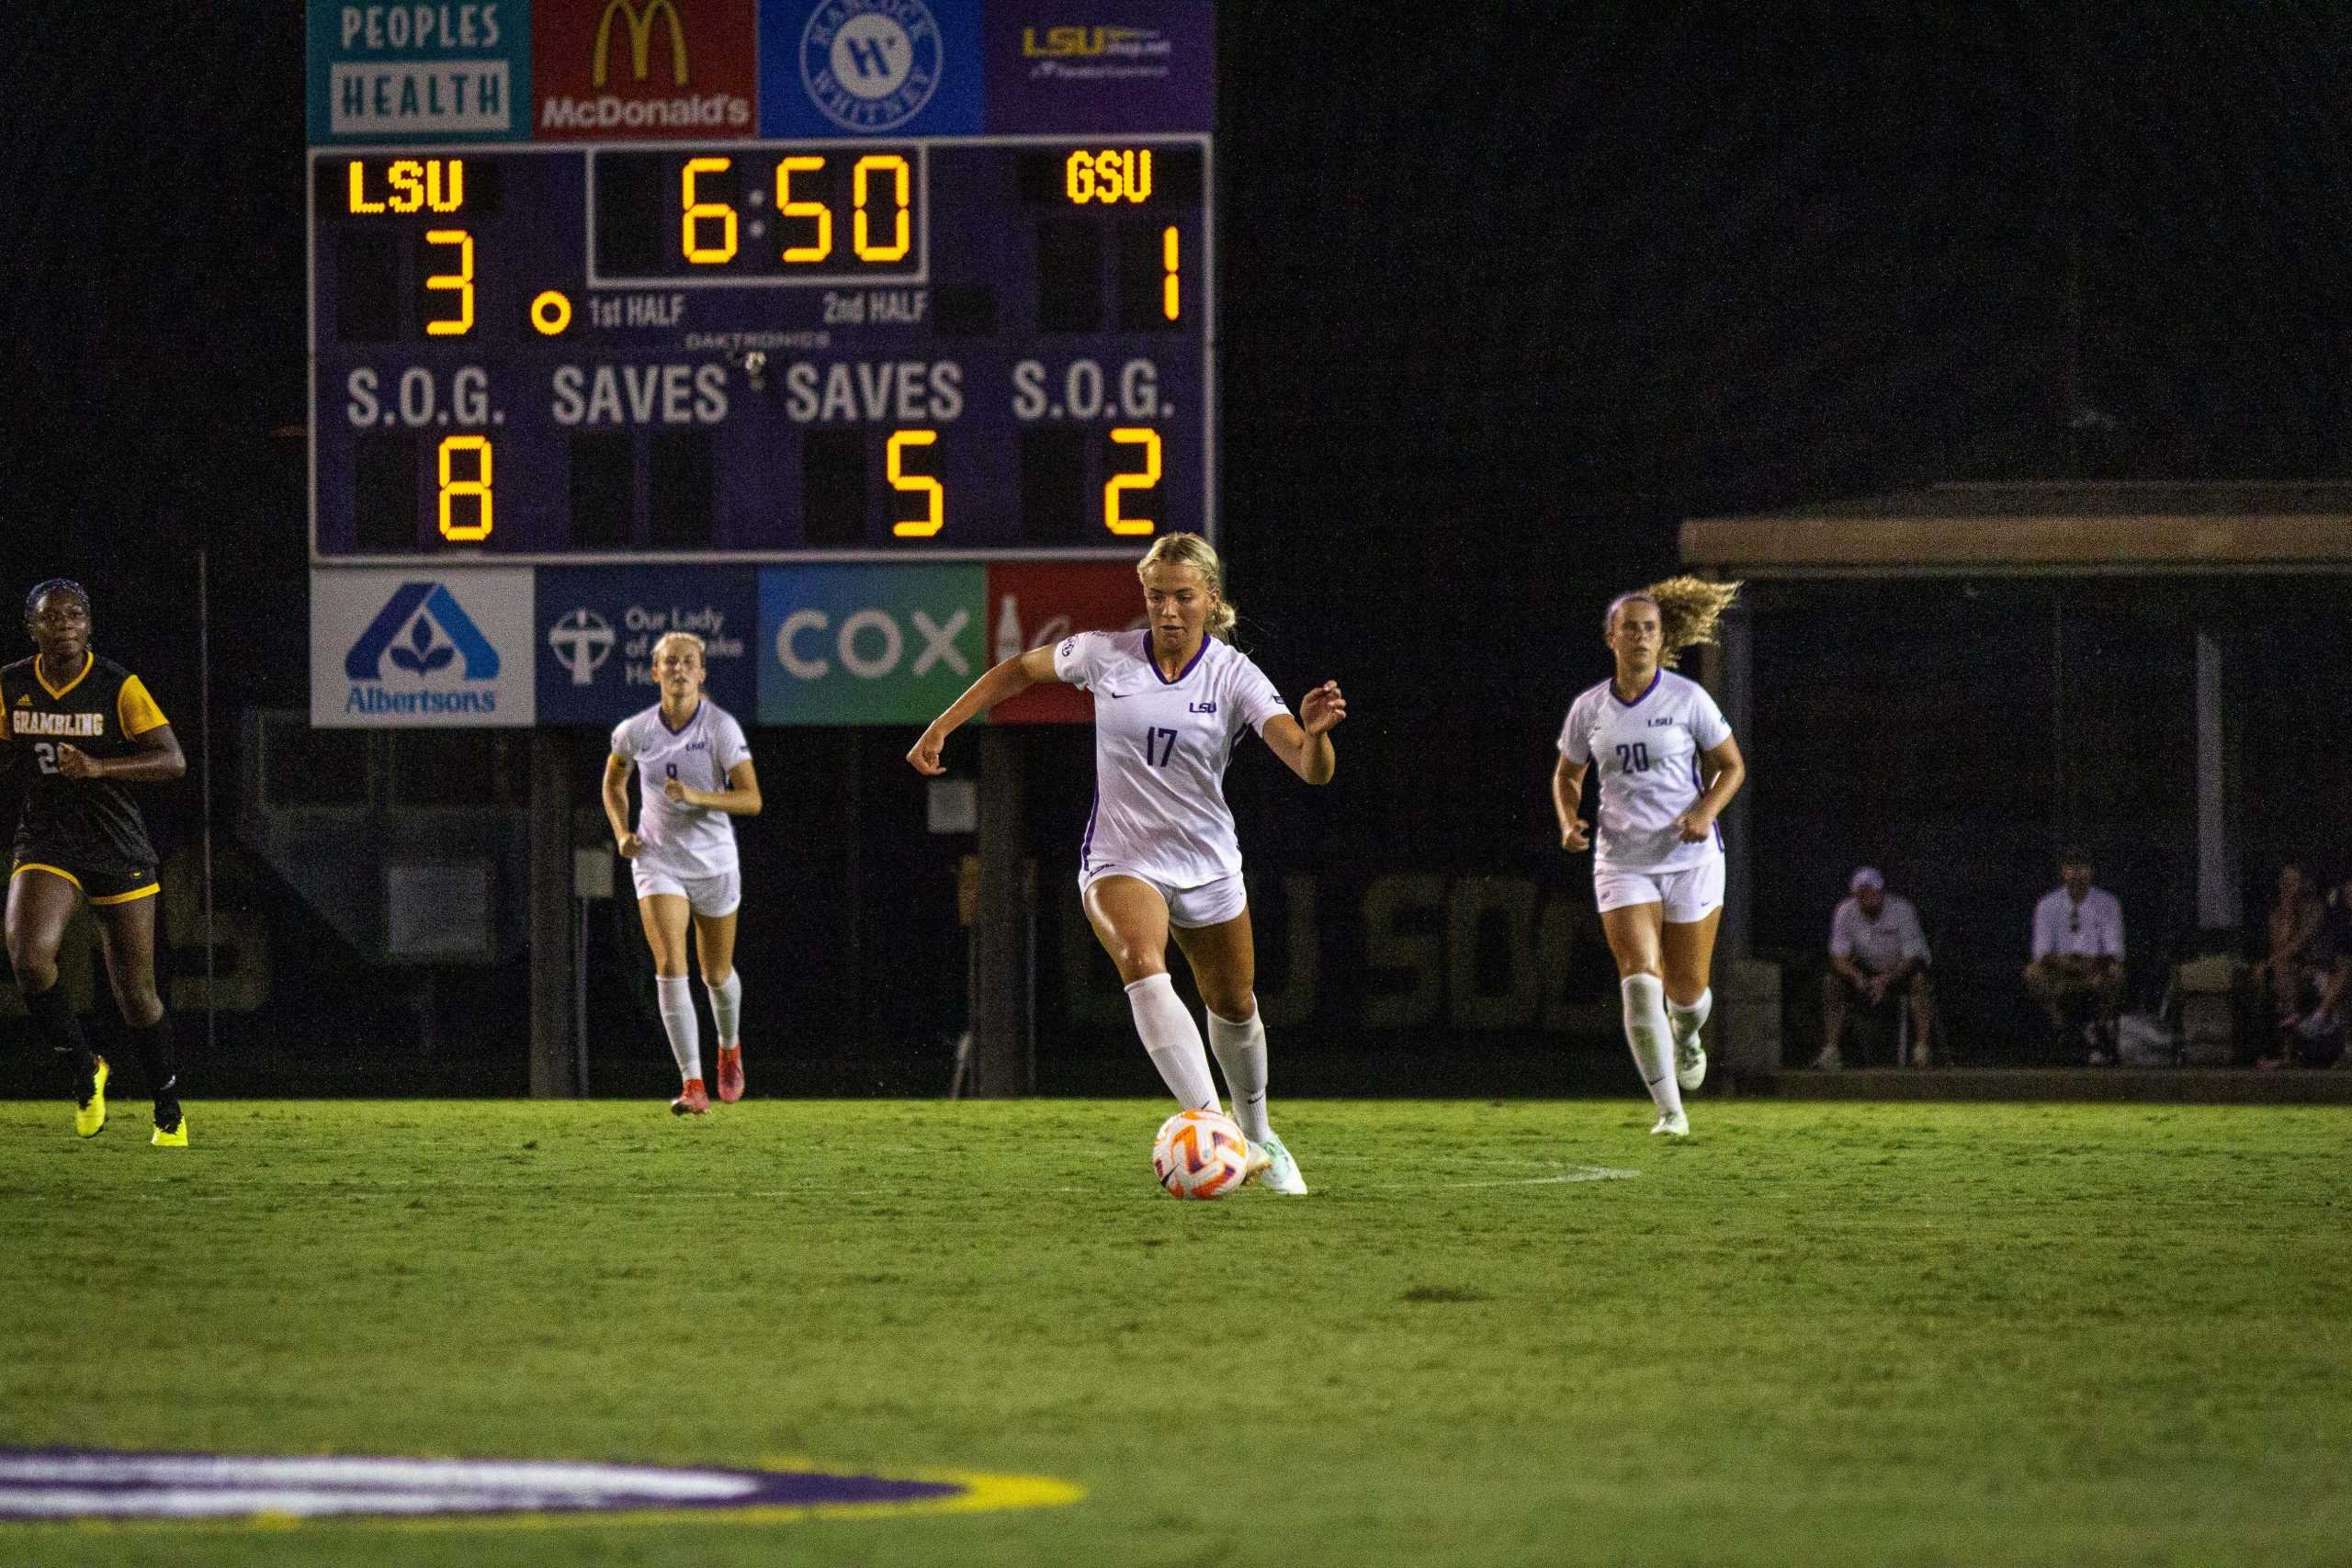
x=1687, y=611
x=1191, y=549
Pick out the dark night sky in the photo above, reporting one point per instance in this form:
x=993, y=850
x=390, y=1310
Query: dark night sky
x=1513, y=293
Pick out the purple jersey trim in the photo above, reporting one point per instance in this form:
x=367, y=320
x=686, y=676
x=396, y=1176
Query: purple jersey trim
x=1198, y=654
x=683, y=728
x=1700, y=786
x=1656, y=677
x=1087, y=844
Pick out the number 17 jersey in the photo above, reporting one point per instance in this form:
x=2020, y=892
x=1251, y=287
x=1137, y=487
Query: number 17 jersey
x=1161, y=748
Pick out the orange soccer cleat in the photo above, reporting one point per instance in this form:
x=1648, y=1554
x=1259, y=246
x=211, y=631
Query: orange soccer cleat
x=731, y=1074
x=692, y=1100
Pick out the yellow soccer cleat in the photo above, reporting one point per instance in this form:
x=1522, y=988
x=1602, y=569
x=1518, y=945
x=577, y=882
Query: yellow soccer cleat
x=173, y=1136
x=90, y=1115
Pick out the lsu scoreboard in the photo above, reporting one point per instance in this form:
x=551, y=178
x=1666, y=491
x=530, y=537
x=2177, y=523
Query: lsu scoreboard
x=758, y=280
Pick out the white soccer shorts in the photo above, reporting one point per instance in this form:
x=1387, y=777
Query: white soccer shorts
x=1210, y=904
x=707, y=896
x=1688, y=894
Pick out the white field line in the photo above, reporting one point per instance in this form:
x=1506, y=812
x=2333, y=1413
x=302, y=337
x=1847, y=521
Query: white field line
x=1462, y=1174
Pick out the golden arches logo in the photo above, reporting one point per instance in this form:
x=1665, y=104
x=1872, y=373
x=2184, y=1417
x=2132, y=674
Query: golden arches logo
x=640, y=39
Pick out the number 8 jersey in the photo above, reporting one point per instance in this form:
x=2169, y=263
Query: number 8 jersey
x=1161, y=748
x=1647, y=752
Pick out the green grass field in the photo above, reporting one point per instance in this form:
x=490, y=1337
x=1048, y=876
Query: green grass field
x=1519, y=1331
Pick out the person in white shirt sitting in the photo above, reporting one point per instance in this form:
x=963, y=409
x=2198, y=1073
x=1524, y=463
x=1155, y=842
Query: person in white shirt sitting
x=2077, y=966
x=1877, y=952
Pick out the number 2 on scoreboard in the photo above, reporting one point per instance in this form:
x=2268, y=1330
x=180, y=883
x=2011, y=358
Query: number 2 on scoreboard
x=1114, y=518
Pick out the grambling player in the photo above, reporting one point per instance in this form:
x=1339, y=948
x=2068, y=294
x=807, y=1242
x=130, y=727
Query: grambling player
x=83, y=729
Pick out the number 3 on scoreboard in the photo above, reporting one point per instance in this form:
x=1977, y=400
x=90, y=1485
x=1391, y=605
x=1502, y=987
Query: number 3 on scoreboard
x=454, y=490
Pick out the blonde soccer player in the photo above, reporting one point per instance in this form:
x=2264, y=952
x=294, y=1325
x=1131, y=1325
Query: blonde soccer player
x=1159, y=857
x=1669, y=766
x=695, y=776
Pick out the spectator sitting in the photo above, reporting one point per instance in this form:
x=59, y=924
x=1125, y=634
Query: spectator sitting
x=1876, y=951
x=2293, y=966
x=2078, y=957
x=2314, y=1038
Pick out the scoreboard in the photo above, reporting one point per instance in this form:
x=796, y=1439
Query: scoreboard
x=949, y=347
x=866, y=339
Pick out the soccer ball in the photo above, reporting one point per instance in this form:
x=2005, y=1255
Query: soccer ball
x=1200, y=1154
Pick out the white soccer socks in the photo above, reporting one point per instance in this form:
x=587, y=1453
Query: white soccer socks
x=1690, y=1056
x=1174, y=1040
x=727, y=1007
x=1688, y=1020
x=673, y=998
x=1651, y=1040
x=1241, y=1051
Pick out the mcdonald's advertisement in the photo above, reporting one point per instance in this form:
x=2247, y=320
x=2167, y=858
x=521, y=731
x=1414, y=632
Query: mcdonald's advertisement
x=639, y=70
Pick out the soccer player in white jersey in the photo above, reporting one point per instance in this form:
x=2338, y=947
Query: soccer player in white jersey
x=1669, y=765
x=683, y=855
x=1159, y=856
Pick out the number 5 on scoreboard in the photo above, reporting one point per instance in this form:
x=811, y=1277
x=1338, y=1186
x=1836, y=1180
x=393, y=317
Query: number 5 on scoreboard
x=454, y=489
x=934, y=512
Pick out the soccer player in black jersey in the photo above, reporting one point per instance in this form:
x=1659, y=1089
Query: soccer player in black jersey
x=83, y=728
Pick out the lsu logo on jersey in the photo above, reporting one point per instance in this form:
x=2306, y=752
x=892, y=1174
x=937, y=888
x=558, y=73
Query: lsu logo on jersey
x=1202, y=707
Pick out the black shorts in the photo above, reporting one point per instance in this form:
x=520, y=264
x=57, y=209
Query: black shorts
x=103, y=878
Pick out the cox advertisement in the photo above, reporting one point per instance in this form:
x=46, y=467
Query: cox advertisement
x=868, y=644
x=895, y=645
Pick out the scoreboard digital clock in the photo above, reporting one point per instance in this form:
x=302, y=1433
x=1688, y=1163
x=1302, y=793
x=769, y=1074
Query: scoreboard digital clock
x=933, y=347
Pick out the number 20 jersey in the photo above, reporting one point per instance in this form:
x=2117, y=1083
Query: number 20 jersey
x=1161, y=748
x=1647, y=752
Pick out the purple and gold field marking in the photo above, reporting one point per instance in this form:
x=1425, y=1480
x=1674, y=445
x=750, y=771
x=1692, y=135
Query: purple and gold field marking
x=91, y=1487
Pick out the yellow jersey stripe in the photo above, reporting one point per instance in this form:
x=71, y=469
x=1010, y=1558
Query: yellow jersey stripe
x=137, y=710
x=89, y=660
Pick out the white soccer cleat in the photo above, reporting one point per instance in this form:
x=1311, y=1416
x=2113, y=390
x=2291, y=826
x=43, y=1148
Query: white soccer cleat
x=1673, y=1124
x=1689, y=1063
x=1280, y=1173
